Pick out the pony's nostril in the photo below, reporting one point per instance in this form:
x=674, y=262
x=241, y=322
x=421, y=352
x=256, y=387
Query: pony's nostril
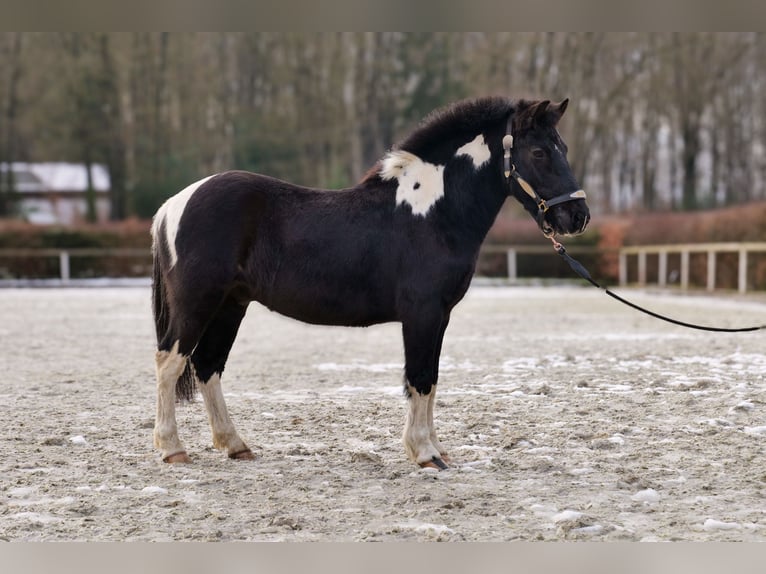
x=581, y=221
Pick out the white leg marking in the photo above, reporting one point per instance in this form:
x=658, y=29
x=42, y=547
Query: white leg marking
x=417, y=433
x=421, y=184
x=477, y=149
x=171, y=212
x=170, y=365
x=225, y=436
x=431, y=427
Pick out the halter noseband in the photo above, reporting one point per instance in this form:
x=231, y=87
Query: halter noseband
x=543, y=205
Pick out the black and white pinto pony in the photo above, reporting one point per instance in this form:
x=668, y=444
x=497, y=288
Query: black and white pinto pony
x=400, y=246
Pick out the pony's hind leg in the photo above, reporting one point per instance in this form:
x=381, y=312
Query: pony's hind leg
x=170, y=365
x=209, y=360
x=225, y=436
x=180, y=325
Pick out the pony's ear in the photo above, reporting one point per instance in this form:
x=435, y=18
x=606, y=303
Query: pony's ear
x=557, y=110
x=537, y=111
x=529, y=114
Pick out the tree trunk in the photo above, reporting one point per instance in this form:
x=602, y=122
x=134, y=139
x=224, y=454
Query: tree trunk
x=8, y=155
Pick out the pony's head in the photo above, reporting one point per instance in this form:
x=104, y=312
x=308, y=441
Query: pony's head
x=538, y=170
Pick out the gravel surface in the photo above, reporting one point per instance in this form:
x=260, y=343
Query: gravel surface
x=567, y=416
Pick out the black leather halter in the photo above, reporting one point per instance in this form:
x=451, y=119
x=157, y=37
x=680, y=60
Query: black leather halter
x=543, y=205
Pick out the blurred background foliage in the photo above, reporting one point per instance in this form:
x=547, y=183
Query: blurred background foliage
x=658, y=121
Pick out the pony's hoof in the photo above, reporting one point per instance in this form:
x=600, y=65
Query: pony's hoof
x=435, y=462
x=177, y=457
x=246, y=454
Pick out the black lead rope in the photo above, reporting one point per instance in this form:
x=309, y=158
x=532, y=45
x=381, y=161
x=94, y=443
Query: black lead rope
x=578, y=268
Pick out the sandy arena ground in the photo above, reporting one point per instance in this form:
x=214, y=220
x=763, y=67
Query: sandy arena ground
x=568, y=417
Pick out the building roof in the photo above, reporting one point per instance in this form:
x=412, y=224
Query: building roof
x=57, y=176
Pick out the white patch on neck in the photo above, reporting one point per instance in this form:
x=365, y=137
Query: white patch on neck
x=421, y=184
x=170, y=212
x=477, y=149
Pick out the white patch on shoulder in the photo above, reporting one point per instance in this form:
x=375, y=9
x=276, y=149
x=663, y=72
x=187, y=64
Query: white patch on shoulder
x=477, y=149
x=170, y=212
x=421, y=184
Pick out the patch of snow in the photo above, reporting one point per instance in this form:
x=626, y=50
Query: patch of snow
x=351, y=389
x=154, y=490
x=711, y=524
x=566, y=516
x=540, y=450
x=78, y=439
x=719, y=423
x=449, y=364
x=21, y=491
x=45, y=500
x=592, y=529
x=520, y=364
x=427, y=527
x=359, y=366
x=673, y=481
x=542, y=509
x=192, y=497
x=36, y=517
x=742, y=406
x=759, y=430
x=646, y=495
x=619, y=389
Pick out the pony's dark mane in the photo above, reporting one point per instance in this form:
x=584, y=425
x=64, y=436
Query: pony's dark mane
x=462, y=119
x=466, y=117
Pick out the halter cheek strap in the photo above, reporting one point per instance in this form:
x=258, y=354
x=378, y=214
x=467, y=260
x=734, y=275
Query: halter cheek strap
x=543, y=205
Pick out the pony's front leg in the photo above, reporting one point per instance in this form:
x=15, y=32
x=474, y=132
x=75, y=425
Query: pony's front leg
x=422, y=346
x=432, y=428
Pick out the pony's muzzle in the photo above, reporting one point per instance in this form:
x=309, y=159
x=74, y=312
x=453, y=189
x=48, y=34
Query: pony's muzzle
x=570, y=218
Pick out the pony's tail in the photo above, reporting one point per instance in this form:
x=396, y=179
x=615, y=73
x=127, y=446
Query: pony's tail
x=186, y=386
x=159, y=307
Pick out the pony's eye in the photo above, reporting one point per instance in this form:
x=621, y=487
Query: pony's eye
x=538, y=153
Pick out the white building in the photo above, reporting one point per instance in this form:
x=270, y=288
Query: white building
x=55, y=192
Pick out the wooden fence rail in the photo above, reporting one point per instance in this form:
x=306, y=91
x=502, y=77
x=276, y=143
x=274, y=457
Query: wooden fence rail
x=685, y=250
x=511, y=252
x=65, y=255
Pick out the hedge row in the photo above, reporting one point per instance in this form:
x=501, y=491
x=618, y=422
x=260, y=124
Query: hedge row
x=605, y=234
x=132, y=234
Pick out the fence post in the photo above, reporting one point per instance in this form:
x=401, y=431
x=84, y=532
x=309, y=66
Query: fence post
x=512, y=273
x=662, y=268
x=711, y=270
x=642, y=268
x=64, y=266
x=623, y=268
x=685, y=269
x=742, y=270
